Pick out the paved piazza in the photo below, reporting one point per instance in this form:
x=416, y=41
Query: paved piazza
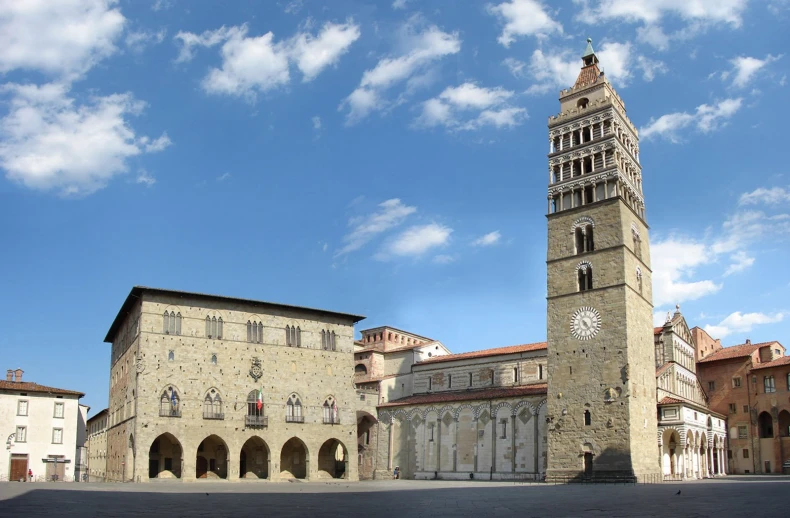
x=734, y=496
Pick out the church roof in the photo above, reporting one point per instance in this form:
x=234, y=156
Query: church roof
x=589, y=50
x=468, y=395
x=513, y=349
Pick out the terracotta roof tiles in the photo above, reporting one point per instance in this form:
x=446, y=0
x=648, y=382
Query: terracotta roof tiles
x=670, y=401
x=512, y=349
x=29, y=386
x=587, y=76
x=784, y=360
x=468, y=395
x=734, y=351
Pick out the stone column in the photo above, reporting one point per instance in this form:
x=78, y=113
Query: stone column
x=439, y=443
x=477, y=434
x=455, y=446
x=513, y=444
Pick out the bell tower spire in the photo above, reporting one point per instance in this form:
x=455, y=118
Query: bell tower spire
x=601, y=365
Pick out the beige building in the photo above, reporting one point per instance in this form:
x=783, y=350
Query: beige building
x=205, y=386
x=474, y=415
x=601, y=379
x=97, y=447
x=41, y=425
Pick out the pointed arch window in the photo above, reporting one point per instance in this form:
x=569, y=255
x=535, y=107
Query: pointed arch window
x=587, y=418
x=212, y=405
x=328, y=340
x=584, y=273
x=255, y=417
x=293, y=336
x=214, y=327
x=293, y=410
x=331, y=415
x=254, y=331
x=169, y=403
x=171, y=323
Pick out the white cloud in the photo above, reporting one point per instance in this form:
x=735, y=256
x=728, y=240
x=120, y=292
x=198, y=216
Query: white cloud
x=674, y=262
x=155, y=145
x=251, y=65
x=293, y=7
x=49, y=141
x=492, y=238
x=707, y=118
x=421, y=50
x=415, y=241
x=400, y=4
x=653, y=35
x=390, y=214
x=523, y=18
x=223, y=177
x=138, y=41
x=316, y=123
x=650, y=67
x=516, y=67
x=443, y=259
x=763, y=196
x=144, y=178
x=615, y=59
x=469, y=107
x=64, y=38
x=313, y=54
x=745, y=69
x=740, y=262
x=161, y=5
x=741, y=323
x=654, y=11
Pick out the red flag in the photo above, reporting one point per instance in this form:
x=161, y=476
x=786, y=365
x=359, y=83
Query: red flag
x=260, y=399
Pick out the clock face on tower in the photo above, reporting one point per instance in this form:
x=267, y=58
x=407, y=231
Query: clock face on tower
x=585, y=323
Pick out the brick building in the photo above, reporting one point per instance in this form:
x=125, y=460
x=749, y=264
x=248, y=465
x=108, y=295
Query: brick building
x=750, y=383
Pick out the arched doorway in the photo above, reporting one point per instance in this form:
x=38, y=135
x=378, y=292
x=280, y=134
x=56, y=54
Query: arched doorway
x=165, y=457
x=294, y=459
x=254, y=459
x=766, y=425
x=784, y=423
x=332, y=459
x=366, y=437
x=672, y=463
x=212, y=458
x=129, y=468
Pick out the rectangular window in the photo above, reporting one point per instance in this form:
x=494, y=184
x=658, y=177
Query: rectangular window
x=540, y=372
x=430, y=383
x=711, y=385
x=21, y=407
x=745, y=409
x=57, y=436
x=59, y=410
x=504, y=428
x=449, y=381
x=515, y=374
x=788, y=381
x=729, y=454
x=736, y=382
x=430, y=429
x=21, y=434
x=733, y=408
x=743, y=432
x=745, y=454
x=768, y=384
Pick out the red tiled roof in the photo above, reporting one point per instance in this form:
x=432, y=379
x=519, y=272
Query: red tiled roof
x=512, y=349
x=733, y=351
x=670, y=401
x=467, y=395
x=587, y=75
x=29, y=386
x=657, y=330
x=784, y=360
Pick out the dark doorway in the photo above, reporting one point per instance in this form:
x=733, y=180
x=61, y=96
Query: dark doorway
x=588, y=464
x=243, y=463
x=201, y=467
x=153, y=468
x=18, y=467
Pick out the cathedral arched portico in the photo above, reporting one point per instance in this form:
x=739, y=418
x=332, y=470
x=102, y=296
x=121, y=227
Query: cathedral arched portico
x=211, y=458
x=255, y=459
x=165, y=457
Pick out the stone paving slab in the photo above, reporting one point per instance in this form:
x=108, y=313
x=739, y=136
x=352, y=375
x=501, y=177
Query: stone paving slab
x=733, y=496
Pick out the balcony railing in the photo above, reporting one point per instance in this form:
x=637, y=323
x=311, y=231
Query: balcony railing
x=169, y=412
x=213, y=415
x=331, y=419
x=294, y=419
x=256, y=421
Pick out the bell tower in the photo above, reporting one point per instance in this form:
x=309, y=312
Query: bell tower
x=601, y=368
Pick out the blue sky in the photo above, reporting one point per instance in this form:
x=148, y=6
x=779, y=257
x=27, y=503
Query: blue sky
x=381, y=158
